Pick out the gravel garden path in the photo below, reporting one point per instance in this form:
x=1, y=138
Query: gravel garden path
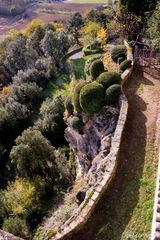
x=126, y=210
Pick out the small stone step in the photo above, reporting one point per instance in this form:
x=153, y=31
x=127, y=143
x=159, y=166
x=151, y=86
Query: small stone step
x=157, y=236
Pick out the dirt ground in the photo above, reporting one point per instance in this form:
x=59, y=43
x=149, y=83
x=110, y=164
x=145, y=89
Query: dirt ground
x=126, y=210
x=48, y=12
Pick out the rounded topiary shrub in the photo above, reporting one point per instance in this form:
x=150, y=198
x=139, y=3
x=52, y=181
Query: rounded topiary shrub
x=96, y=68
x=79, y=86
x=92, y=98
x=68, y=105
x=109, y=78
x=76, y=104
x=76, y=123
x=125, y=65
x=118, y=52
x=112, y=94
x=93, y=48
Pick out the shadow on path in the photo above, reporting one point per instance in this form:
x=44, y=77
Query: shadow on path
x=115, y=209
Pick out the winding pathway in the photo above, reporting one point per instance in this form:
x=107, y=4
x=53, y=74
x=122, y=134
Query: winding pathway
x=126, y=210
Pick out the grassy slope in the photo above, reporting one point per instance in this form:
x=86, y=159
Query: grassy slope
x=125, y=212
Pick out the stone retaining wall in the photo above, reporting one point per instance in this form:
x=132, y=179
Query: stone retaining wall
x=94, y=194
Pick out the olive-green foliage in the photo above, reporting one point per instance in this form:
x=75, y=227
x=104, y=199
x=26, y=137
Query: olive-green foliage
x=96, y=68
x=109, y=78
x=68, y=105
x=79, y=86
x=15, y=225
x=33, y=154
x=121, y=59
x=90, y=61
x=93, y=48
x=92, y=98
x=75, y=97
x=125, y=65
x=117, y=52
x=112, y=94
x=76, y=123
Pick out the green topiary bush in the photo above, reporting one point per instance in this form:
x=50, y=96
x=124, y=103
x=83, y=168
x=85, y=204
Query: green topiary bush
x=96, y=68
x=79, y=86
x=92, y=98
x=90, y=61
x=93, y=48
x=76, y=123
x=109, y=78
x=112, y=94
x=76, y=104
x=125, y=65
x=68, y=105
x=118, y=52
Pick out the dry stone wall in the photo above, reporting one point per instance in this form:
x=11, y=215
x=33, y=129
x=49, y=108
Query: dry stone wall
x=94, y=194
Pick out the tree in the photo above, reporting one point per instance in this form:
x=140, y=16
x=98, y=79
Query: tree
x=98, y=17
x=51, y=122
x=16, y=55
x=153, y=30
x=74, y=25
x=55, y=46
x=89, y=32
x=31, y=76
x=33, y=154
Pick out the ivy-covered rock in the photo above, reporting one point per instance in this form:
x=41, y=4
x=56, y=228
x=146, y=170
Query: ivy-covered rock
x=92, y=98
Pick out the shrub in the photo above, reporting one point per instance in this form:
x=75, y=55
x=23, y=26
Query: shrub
x=93, y=48
x=112, y=94
x=125, y=64
x=79, y=86
x=117, y=52
x=89, y=62
x=15, y=225
x=92, y=97
x=76, y=123
x=76, y=104
x=121, y=59
x=97, y=67
x=68, y=105
x=109, y=78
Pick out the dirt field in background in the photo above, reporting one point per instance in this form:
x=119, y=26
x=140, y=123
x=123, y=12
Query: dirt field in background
x=48, y=12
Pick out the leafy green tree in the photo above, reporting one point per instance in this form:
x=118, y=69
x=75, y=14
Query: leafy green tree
x=33, y=154
x=97, y=16
x=51, y=122
x=89, y=32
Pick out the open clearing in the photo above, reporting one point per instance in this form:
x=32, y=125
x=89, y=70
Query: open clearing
x=126, y=211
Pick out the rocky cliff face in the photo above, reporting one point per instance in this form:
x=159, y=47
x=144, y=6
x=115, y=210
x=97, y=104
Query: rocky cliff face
x=94, y=143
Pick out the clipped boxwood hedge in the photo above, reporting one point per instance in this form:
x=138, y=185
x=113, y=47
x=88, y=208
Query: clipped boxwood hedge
x=92, y=97
x=76, y=123
x=112, y=94
x=97, y=67
x=119, y=51
x=125, y=65
x=109, y=78
x=90, y=61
